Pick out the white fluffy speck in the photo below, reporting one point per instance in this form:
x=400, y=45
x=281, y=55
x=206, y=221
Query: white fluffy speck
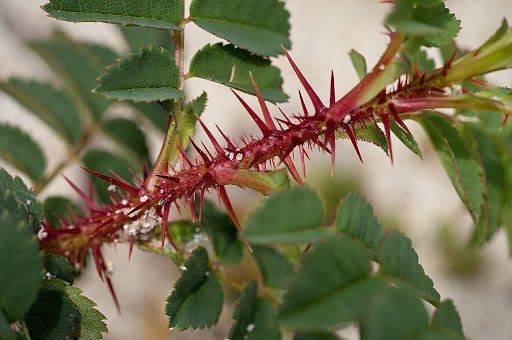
x=346, y=119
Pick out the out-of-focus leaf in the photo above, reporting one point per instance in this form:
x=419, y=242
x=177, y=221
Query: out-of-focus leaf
x=359, y=63
x=446, y=317
x=52, y=106
x=162, y=14
x=458, y=160
x=338, y=270
x=59, y=267
x=155, y=113
x=138, y=37
x=229, y=65
x=77, y=65
x=19, y=149
x=147, y=76
x=254, y=317
x=260, y=26
x=406, y=138
x=290, y=216
x=127, y=134
x=274, y=266
x=58, y=206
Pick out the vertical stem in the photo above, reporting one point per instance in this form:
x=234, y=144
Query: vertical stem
x=179, y=59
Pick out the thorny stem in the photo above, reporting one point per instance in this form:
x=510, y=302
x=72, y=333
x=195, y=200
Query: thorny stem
x=165, y=151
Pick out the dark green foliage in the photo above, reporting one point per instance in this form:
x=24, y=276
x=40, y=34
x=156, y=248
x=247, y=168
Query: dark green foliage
x=293, y=216
x=23, y=196
x=315, y=335
x=332, y=287
x=359, y=63
x=19, y=149
x=127, y=134
x=52, y=316
x=230, y=66
x=254, y=317
x=155, y=113
x=223, y=233
x=446, y=317
x=90, y=324
x=21, y=265
x=406, y=138
x=148, y=76
x=59, y=267
x=138, y=37
x=260, y=26
x=196, y=301
x=152, y=13
x=274, y=266
x=58, y=206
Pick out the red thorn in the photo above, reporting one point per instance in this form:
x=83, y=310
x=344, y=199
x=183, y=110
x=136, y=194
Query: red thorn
x=387, y=130
x=333, y=92
x=263, y=127
x=183, y=158
x=230, y=145
x=447, y=66
x=304, y=108
x=291, y=167
x=478, y=82
x=231, y=212
x=111, y=288
x=136, y=177
x=205, y=158
x=302, y=152
x=170, y=178
x=264, y=108
x=354, y=141
x=165, y=220
x=84, y=197
x=121, y=179
x=132, y=240
x=216, y=144
x=397, y=119
x=317, y=103
x=504, y=121
x=329, y=137
x=201, y=201
x=98, y=259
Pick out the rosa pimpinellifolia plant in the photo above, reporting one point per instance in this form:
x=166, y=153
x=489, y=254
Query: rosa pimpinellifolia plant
x=309, y=278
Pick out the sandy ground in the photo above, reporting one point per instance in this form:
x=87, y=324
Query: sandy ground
x=415, y=195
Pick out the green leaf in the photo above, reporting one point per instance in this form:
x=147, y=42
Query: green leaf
x=197, y=297
x=6, y=332
x=52, y=106
x=52, y=316
x=229, y=65
x=223, y=233
x=506, y=205
x=399, y=261
x=254, y=317
x=59, y=267
x=274, y=266
x=370, y=133
x=458, y=160
x=359, y=63
x=148, y=76
x=24, y=196
x=338, y=271
x=19, y=149
x=162, y=14
x=429, y=24
x=355, y=219
x=406, y=138
x=315, y=335
x=155, y=113
x=127, y=134
x=77, y=65
x=21, y=265
x=260, y=26
x=58, y=206
x=186, y=124
x=396, y=313
x=90, y=323
x=102, y=162
x=290, y=216
x=446, y=317
x=138, y=37
x=486, y=147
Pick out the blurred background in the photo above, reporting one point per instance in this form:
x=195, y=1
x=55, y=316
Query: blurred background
x=413, y=195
